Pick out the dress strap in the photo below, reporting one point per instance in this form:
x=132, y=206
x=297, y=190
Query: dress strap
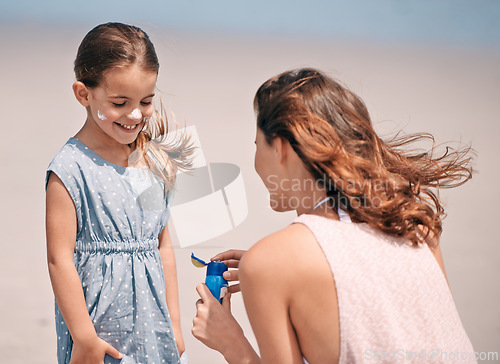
x=343, y=216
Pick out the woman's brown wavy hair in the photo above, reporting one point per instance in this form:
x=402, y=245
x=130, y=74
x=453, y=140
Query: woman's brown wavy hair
x=118, y=45
x=381, y=183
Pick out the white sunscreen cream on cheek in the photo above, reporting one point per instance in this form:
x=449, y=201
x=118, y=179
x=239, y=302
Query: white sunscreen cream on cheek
x=101, y=116
x=135, y=114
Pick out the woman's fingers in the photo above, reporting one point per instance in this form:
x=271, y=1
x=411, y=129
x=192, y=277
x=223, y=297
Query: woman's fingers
x=232, y=263
x=199, y=302
x=226, y=302
x=234, y=288
x=205, y=294
x=231, y=275
x=232, y=254
x=232, y=259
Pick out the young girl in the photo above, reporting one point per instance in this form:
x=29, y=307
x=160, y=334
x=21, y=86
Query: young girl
x=110, y=258
x=359, y=275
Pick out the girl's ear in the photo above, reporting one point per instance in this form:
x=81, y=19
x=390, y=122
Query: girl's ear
x=81, y=93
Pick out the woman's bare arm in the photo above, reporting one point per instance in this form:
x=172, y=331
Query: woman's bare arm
x=267, y=286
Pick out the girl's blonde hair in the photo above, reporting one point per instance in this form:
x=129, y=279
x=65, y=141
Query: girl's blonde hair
x=162, y=155
x=377, y=182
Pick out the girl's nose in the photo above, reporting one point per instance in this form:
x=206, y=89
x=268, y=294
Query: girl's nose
x=135, y=115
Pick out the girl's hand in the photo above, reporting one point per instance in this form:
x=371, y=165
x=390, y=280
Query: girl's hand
x=214, y=325
x=92, y=352
x=232, y=259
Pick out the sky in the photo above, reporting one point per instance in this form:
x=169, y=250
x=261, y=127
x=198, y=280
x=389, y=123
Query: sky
x=446, y=22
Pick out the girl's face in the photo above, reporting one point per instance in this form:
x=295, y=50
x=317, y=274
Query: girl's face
x=270, y=171
x=122, y=102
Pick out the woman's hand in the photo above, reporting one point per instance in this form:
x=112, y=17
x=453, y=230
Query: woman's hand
x=232, y=259
x=215, y=326
x=92, y=351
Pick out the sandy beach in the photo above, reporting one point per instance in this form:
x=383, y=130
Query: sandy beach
x=209, y=81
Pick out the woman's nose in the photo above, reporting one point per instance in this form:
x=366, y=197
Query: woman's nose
x=135, y=115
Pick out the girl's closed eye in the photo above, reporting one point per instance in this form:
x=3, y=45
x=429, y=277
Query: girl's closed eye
x=143, y=103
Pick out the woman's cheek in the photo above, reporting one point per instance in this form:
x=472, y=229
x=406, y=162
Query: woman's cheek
x=258, y=163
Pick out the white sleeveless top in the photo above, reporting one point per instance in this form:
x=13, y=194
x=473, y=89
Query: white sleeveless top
x=394, y=302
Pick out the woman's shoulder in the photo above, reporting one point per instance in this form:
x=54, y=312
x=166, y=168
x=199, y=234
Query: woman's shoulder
x=280, y=254
x=281, y=241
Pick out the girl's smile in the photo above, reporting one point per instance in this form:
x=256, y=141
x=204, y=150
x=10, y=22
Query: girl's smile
x=130, y=128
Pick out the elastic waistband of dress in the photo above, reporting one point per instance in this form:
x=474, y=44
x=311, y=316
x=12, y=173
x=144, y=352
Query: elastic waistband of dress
x=113, y=246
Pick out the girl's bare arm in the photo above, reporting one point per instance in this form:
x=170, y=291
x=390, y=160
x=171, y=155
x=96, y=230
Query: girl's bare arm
x=61, y=237
x=171, y=288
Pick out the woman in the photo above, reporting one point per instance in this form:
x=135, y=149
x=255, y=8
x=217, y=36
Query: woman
x=358, y=275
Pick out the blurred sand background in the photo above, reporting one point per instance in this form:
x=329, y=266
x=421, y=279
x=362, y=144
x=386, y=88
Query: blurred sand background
x=208, y=79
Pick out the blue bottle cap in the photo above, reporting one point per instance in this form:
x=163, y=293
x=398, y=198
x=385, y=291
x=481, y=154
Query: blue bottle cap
x=216, y=268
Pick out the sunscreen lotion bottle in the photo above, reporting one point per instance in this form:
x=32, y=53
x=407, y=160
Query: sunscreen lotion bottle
x=214, y=281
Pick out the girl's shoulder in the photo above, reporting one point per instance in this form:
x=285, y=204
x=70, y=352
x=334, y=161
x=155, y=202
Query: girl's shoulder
x=68, y=163
x=69, y=152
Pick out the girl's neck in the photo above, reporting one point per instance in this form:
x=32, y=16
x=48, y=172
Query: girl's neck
x=102, y=144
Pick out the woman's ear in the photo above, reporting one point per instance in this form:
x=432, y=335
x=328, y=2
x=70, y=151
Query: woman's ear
x=280, y=149
x=81, y=93
x=286, y=155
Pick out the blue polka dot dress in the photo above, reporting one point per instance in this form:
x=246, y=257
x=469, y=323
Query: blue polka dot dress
x=120, y=213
